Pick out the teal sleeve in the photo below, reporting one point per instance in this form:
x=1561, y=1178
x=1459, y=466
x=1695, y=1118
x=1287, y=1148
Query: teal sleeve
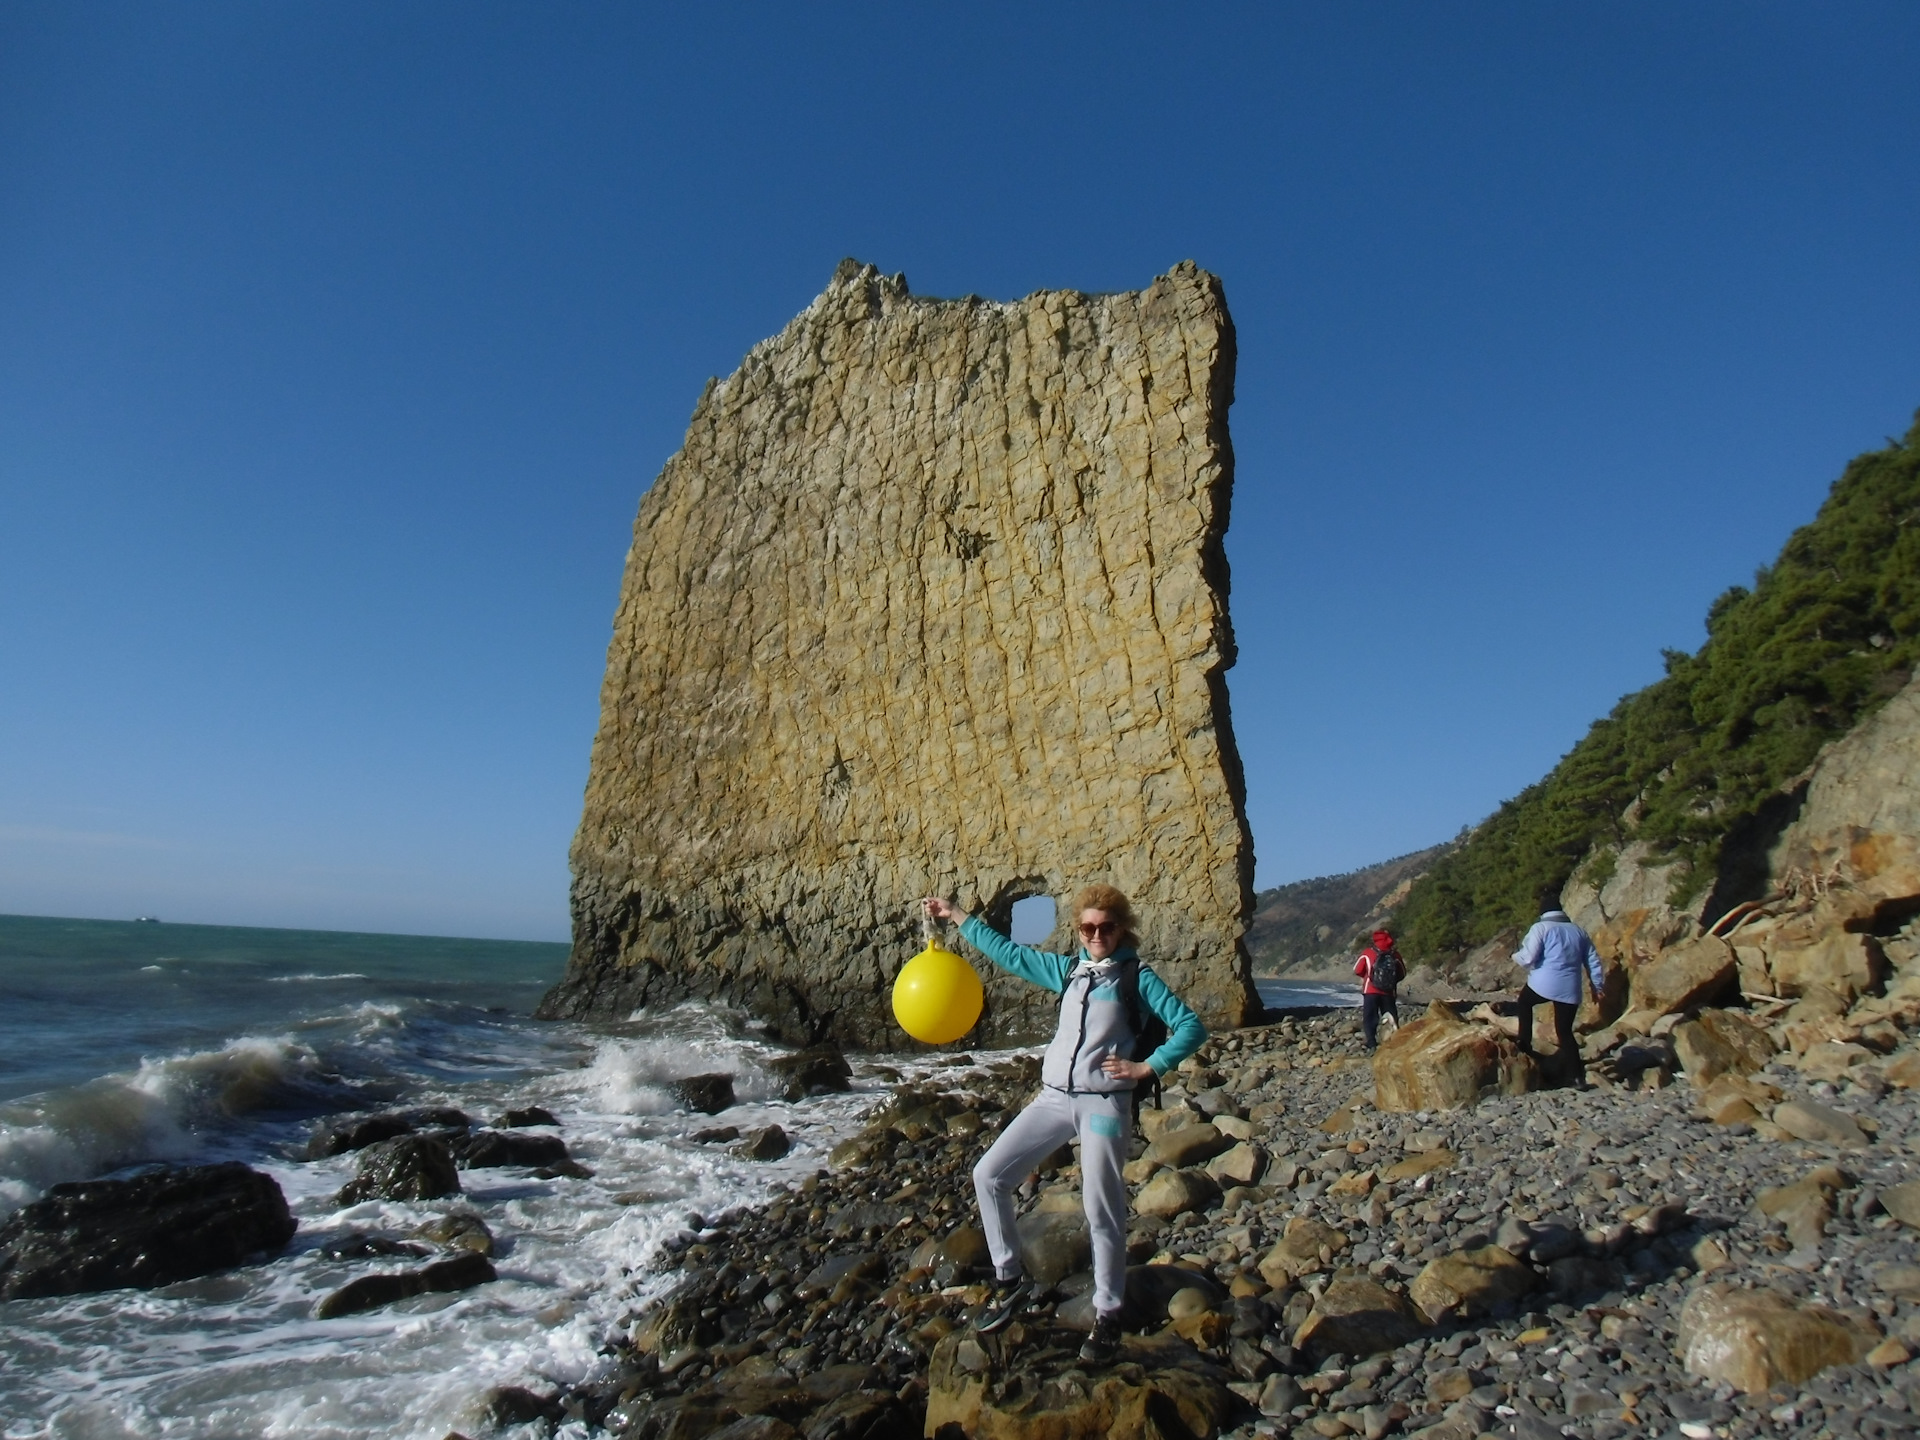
x=1040, y=966
x=1185, y=1033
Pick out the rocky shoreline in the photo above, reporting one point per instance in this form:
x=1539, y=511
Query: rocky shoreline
x=1602, y=1261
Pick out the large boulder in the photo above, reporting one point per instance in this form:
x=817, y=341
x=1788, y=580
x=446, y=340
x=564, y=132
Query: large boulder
x=1822, y=1124
x=1903, y=1202
x=1305, y=1246
x=1693, y=973
x=1719, y=1042
x=1440, y=1062
x=992, y=1390
x=1175, y=1192
x=1053, y=1244
x=1471, y=1282
x=1860, y=822
x=1810, y=951
x=1190, y=1145
x=1754, y=1340
x=709, y=1094
x=1357, y=1316
x=152, y=1229
x=818, y=1070
x=1631, y=917
x=767, y=1143
x=1242, y=1165
x=410, y=1167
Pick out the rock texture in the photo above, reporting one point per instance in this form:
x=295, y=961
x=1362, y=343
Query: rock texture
x=1439, y=1062
x=154, y=1229
x=1755, y=1340
x=932, y=600
x=1860, y=825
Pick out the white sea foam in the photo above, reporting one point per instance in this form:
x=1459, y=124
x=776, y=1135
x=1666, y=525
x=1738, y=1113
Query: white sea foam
x=241, y=1354
x=308, y=979
x=151, y=1114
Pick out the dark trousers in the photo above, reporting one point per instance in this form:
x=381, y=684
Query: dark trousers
x=1563, y=1013
x=1371, y=1006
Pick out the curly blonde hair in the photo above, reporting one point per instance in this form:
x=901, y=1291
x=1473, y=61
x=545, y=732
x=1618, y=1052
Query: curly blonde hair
x=1105, y=897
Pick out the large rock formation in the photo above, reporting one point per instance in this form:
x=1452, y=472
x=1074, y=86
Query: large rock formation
x=1837, y=877
x=932, y=600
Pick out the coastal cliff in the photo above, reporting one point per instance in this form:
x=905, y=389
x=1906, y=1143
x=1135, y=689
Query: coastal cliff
x=932, y=600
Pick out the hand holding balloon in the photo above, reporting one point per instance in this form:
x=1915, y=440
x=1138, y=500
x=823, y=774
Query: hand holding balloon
x=937, y=997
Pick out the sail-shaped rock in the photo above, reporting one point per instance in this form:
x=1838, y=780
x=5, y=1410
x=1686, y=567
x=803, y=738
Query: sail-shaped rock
x=932, y=600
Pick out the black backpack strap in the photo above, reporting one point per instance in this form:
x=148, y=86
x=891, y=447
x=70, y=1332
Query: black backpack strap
x=1137, y=1021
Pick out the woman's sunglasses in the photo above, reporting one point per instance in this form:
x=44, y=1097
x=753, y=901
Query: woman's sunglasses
x=1100, y=931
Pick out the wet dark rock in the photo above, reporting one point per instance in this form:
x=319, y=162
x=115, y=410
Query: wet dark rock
x=1054, y=1244
x=156, y=1228
x=709, y=1094
x=344, y=1133
x=371, y=1292
x=817, y=1071
x=864, y=1415
x=768, y=1143
x=491, y=1149
x=715, y=1135
x=1151, y=1287
x=361, y=1245
x=511, y=1405
x=530, y=1115
x=409, y=1167
x=838, y=1275
x=459, y=1230
x=855, y=1219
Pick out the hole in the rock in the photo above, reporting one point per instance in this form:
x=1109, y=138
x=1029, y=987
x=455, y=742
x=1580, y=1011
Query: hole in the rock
x=1032, y=919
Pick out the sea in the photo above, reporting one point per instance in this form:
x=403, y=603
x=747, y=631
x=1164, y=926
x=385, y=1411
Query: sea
x=124, y=1044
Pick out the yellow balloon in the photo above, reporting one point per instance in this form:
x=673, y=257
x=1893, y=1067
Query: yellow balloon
x=936, y=996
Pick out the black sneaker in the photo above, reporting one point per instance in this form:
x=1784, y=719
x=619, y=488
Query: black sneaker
x=1104, y=1343
x=1004, y=1305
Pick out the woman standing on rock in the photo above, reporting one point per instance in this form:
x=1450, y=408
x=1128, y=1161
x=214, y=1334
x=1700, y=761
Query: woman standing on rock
x=1087, y=1078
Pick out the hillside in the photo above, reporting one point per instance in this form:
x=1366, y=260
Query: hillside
x=1313, y=922
x=1826, y=635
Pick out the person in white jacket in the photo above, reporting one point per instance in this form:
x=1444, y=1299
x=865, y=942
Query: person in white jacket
x=1555, y=952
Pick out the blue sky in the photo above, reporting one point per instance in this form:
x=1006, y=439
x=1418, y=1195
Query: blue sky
x=339, y=341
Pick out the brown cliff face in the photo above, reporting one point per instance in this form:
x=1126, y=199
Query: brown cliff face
x=932, y=600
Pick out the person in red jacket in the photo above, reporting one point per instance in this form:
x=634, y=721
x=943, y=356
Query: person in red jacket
x=1381, y=970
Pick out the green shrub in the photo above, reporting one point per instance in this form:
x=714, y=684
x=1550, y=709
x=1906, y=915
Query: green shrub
x=1829, y=631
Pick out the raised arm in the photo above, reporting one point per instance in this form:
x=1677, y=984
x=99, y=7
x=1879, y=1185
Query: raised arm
x=1042, y=967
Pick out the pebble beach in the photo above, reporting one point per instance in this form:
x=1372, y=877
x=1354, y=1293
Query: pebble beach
x=1292, y=1262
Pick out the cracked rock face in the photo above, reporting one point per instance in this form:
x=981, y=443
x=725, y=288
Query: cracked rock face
x=932, y=601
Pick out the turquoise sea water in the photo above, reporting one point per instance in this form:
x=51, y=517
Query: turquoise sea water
x=80, y=998
x=125, y=1044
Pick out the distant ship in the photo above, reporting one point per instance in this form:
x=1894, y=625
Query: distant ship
x=146, y=919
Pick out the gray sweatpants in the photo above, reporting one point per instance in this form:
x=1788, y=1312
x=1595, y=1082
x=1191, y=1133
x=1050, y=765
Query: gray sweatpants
x=1103, y=1123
